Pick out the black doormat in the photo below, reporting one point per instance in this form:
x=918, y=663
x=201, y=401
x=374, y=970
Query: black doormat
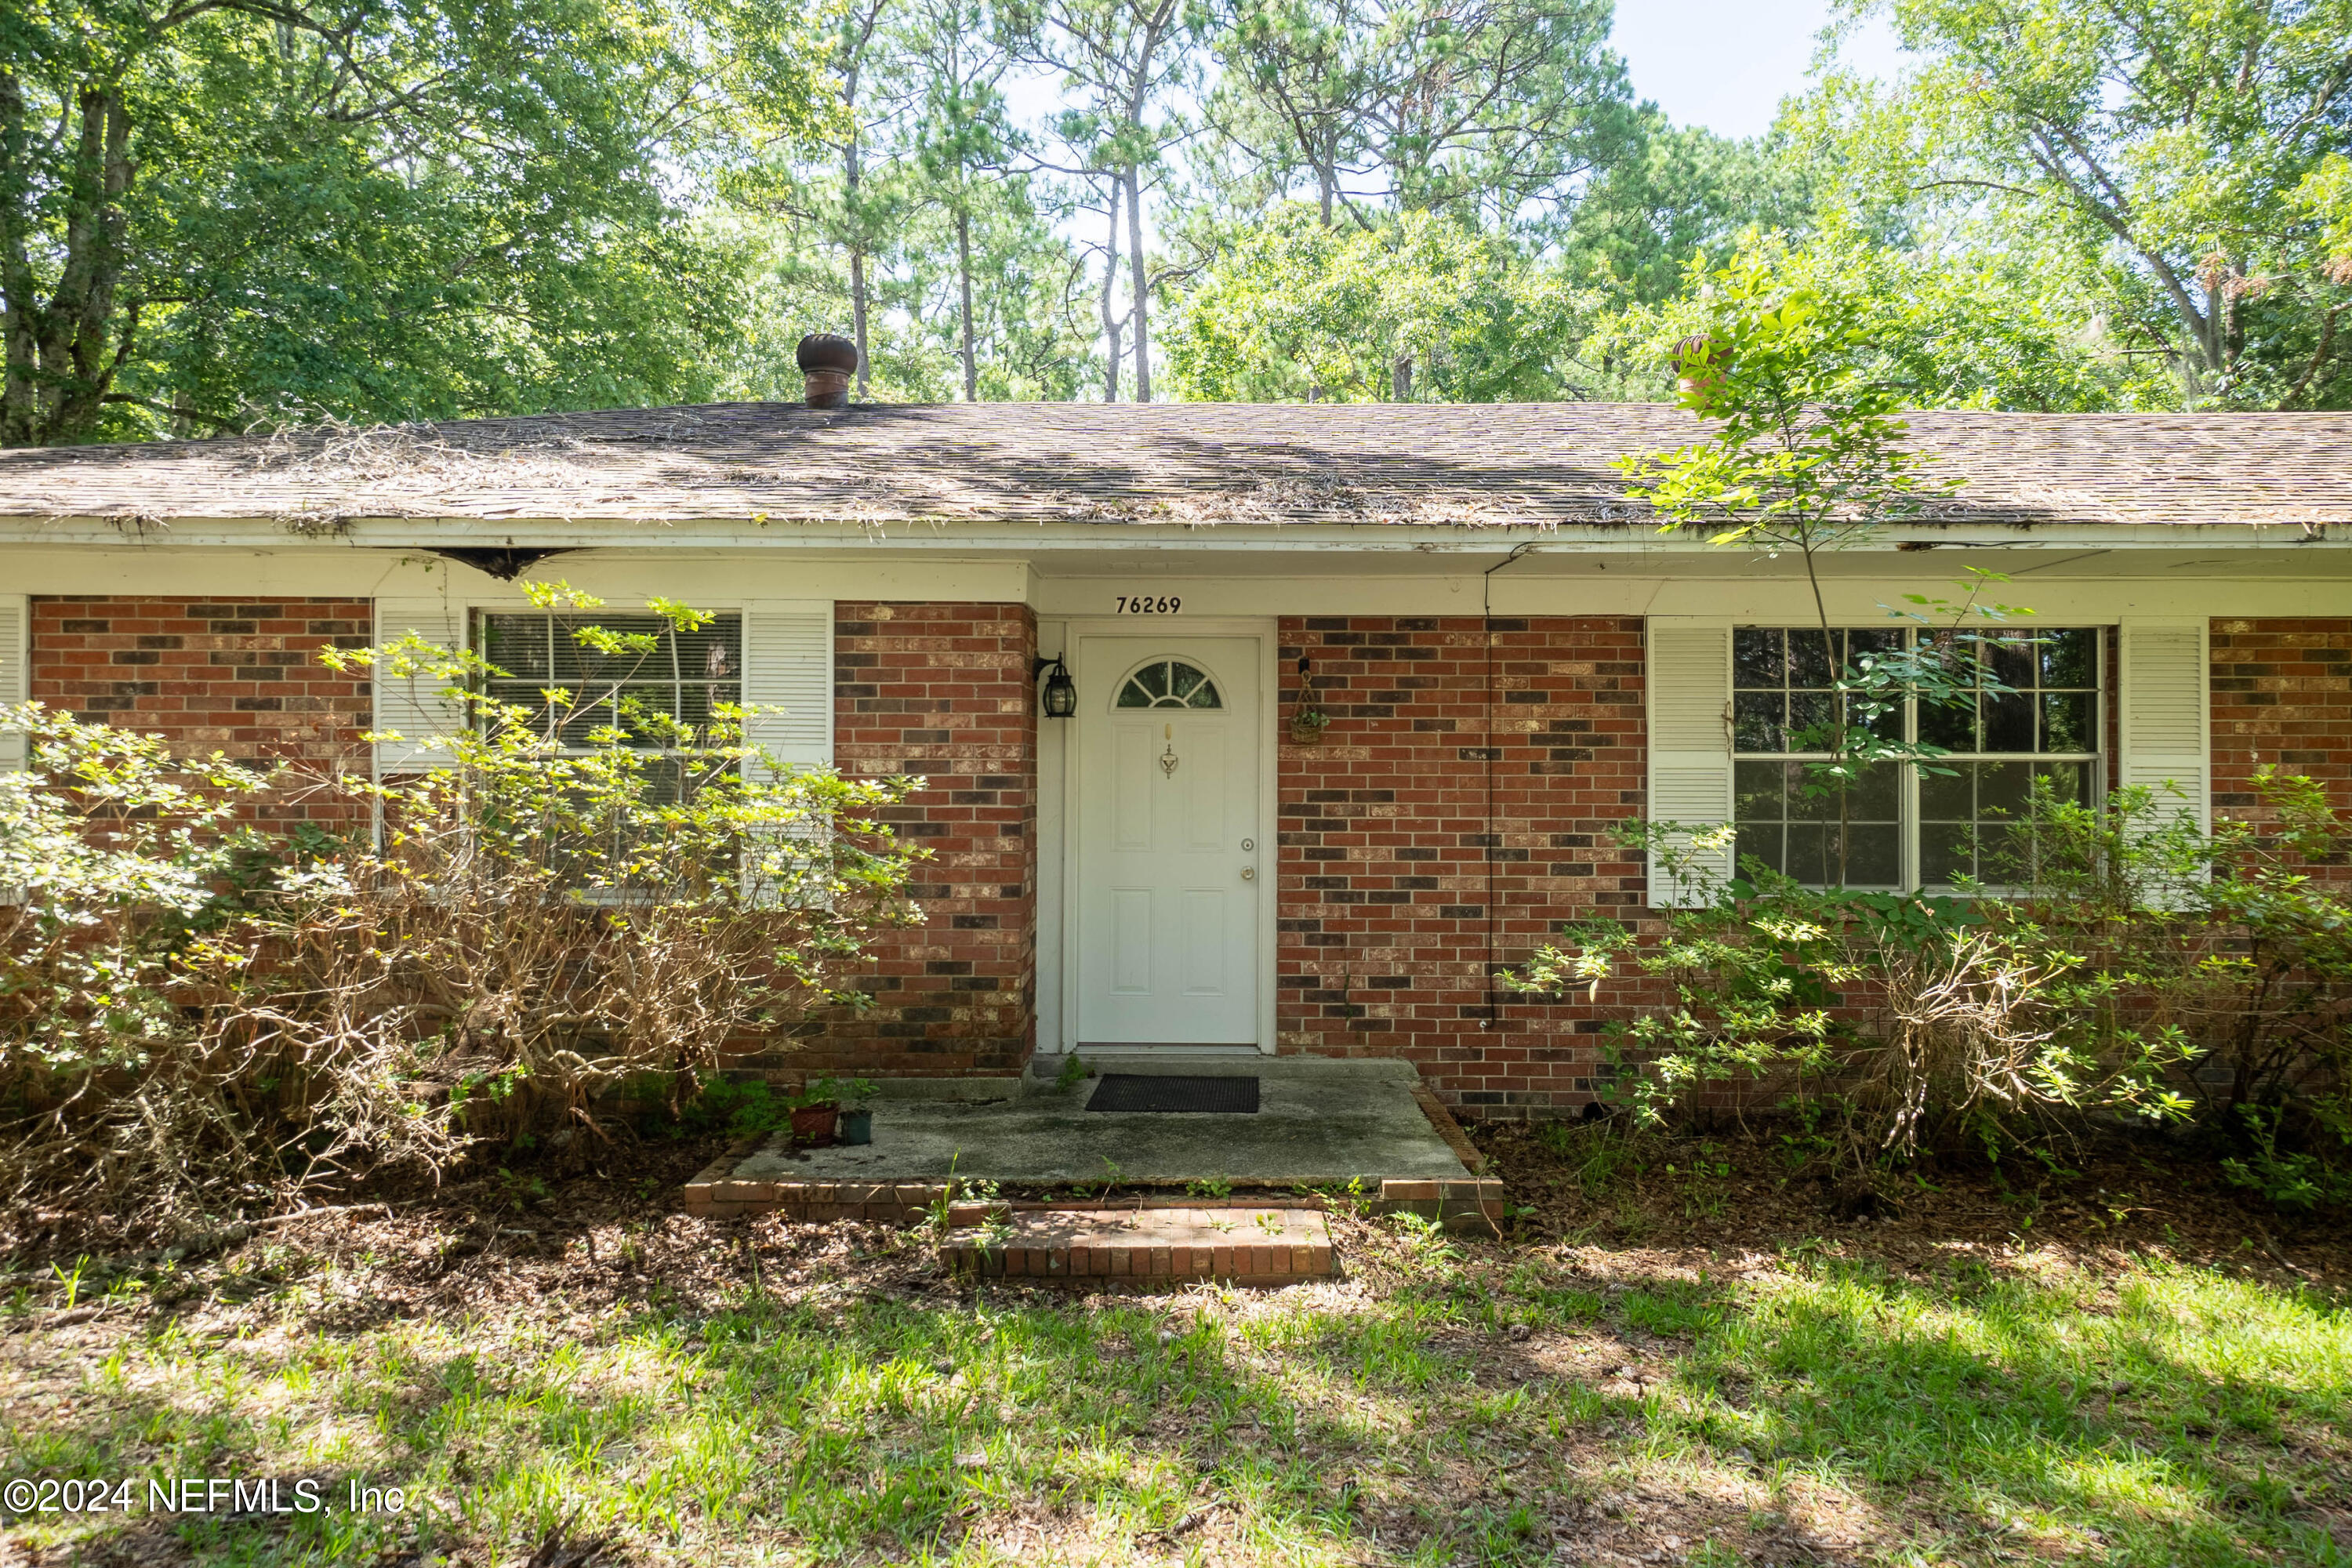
x=1145, y=1091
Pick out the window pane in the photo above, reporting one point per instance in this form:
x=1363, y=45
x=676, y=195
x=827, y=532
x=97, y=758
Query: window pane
x=1756, y=657
x=2066, y=721
x=1948, y=796
x=1810, y=859
x=1953, y=729
x=2070, y=781
x=2009, y=723
x=2070, y=657
x=518, y=645
x=1877, y=795
x=1874, y=855
x=2009, y=659
x=1758, y=792
x=1946, y=853
x=1887, y=723
x=1809, y=664
x=1873, y=643
x=1756, y=721
x=1763, y=843
x=2003, y=789
x=1809, y=721
x=1153, y=679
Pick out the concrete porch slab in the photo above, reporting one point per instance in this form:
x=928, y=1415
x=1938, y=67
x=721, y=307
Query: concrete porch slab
x=1321, y=1122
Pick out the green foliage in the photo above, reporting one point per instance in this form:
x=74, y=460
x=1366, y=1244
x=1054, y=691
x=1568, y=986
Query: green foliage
x=2197, y=144
x=216, y=215
x=737, y=1107
x=1294, y=308
x=587, y=896
x=1934, y=327
x=2130, y=966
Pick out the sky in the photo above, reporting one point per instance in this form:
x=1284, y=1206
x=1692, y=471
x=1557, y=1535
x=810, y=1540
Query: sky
x=1723, y=64
x=1726, y=64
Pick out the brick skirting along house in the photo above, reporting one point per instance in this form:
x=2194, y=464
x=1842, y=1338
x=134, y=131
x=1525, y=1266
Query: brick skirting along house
x=1507, y=658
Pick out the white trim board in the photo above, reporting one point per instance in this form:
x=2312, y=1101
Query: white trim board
x=625, y=581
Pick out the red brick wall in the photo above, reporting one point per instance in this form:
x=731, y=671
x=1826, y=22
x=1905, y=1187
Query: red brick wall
x=1389, y=863
x=2281, y=693
x=242, y=678
x=943, y=691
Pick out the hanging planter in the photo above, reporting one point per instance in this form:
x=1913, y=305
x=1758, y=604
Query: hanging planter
x=1308, y=721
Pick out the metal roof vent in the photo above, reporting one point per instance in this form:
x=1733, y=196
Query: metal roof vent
x=828, y=361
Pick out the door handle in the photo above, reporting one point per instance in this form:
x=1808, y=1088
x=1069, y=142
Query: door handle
x=1249, y=873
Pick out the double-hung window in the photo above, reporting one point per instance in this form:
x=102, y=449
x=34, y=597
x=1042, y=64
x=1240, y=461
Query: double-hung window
x=1898, y=826
x=686, y=675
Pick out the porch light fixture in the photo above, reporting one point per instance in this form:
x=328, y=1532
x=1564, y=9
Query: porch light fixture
x=1061, y=696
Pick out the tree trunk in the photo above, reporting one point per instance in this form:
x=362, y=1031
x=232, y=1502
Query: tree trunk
x=1142, y=282
x=858, y=311
x=853, y=174
x=963, y=280
x=59, y=367
x=1401, y=378
x=1109, y=288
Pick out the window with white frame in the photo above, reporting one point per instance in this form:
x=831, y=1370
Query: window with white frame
x=686, y=676
x=1900, y=825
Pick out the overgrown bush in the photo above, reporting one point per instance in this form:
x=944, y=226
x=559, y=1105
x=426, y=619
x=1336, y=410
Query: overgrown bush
x=199, y=1017
x=2128, y=964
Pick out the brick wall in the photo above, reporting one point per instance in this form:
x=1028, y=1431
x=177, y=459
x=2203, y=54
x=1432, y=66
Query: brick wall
x=943, y=691
x=208, y=675
x=1398, y=897
x=2281, y=693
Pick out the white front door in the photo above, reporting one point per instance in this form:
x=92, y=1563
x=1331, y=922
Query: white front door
x=1169, y=840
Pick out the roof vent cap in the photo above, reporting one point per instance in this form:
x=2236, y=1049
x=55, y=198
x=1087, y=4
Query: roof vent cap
x=828, y=361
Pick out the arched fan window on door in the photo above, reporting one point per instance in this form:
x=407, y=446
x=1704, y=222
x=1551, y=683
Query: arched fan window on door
x=1170, y=683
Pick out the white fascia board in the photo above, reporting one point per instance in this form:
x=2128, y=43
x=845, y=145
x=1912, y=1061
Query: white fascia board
x=620, y=577
x=957, y=536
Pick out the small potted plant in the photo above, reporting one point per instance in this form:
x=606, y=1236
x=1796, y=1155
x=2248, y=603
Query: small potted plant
x=816, y=1111
x=856, y=1125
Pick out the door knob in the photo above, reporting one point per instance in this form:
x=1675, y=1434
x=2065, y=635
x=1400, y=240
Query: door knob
x=1249, y=873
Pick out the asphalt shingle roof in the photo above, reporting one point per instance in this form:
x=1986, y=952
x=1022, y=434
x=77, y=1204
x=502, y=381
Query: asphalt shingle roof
x=1451, y=465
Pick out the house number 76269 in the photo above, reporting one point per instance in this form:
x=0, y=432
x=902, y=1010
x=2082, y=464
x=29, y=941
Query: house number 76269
x=1149, y=604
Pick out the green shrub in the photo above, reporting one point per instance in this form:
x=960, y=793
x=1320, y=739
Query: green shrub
x=193, y=1015
x=2128, y=964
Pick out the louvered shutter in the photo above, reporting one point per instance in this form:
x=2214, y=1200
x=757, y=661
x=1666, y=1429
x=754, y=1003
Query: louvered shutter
x=788, y=665
x=1689, y=691
x=2164, y=719
x=2165, y=715
x=416, y=707
x=15, y=669
x=788, y=668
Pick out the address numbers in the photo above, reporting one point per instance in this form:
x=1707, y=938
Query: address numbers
x=1151, y=603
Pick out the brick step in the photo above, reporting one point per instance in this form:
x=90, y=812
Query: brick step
x=1244, y=1246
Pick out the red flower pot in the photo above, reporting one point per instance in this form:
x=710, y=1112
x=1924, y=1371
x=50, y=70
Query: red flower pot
x=813, y=1123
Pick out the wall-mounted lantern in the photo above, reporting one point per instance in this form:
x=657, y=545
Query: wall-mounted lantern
x=1061, y=696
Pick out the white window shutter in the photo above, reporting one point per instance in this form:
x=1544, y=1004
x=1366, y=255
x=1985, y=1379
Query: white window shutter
x=15, y=669
x=416, y=707
x=788, y=665
x=2165, y=718
x=1689, y=692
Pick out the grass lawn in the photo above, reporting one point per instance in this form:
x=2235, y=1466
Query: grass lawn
x=1637, y=1372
